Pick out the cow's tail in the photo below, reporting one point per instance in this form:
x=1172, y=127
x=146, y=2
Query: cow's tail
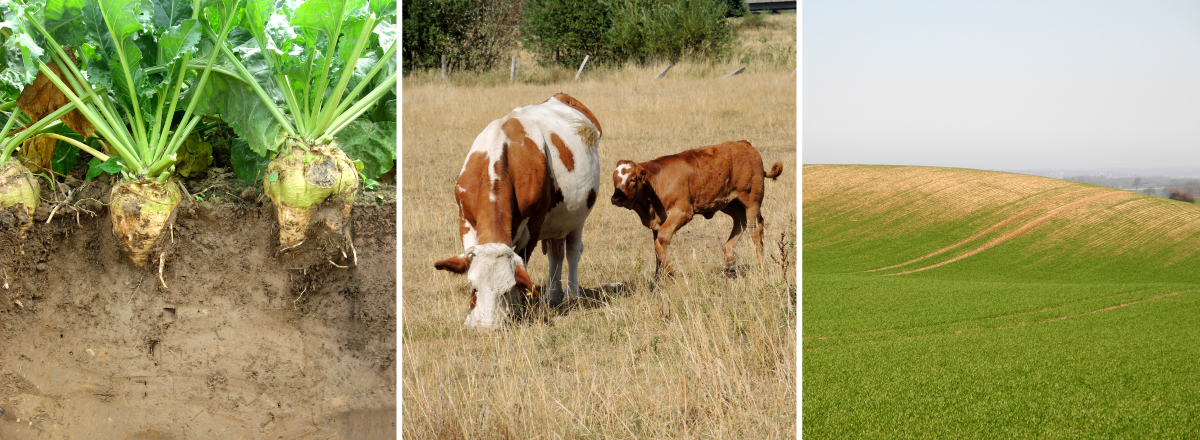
x=775, y=170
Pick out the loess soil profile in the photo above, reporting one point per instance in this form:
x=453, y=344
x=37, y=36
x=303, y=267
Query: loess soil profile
x=230, y=341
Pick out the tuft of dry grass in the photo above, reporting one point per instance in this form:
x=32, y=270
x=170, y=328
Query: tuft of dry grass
x=699, y=355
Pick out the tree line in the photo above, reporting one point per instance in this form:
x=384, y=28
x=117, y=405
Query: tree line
x=481, y=34
x=1176, y=188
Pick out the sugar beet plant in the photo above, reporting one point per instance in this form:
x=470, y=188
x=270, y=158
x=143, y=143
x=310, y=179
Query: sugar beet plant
x=19, y=190
x=135, y=61
x=314, y=68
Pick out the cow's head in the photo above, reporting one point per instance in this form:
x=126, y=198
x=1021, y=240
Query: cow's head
x=498, y=278
x=629, y=180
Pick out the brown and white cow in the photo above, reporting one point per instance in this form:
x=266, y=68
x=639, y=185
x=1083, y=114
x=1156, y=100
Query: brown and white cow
x=531, y=175
x=666, y=193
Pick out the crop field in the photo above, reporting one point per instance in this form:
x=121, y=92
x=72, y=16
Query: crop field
x=697, y=356
x=955, y=303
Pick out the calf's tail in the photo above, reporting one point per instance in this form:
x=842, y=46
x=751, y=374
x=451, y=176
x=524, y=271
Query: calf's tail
x=775, y=170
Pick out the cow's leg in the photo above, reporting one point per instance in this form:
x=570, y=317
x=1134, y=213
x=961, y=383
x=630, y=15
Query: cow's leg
x=574, y=252
x=554, y=254
x=675, y=220
x=738, y=212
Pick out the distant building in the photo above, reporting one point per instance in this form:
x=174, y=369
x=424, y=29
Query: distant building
x=759, y=6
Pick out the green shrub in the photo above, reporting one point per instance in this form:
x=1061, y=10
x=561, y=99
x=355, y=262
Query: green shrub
x=562, y=32
x=474, y=34
x=693, y=28
x=648, y=30
x=737, y=8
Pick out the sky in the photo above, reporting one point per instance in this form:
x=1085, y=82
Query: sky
x=1002, y=85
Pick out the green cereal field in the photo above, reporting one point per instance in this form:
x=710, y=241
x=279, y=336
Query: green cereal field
x=956, y=303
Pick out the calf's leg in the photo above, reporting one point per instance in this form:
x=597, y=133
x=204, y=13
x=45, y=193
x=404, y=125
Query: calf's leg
x=738, y=212
x=675, y=220
x=756, y=229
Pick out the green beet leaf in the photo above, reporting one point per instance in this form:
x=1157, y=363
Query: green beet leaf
x=249, y=166
x=96, y=167
x=373, y=143
x=64, y=158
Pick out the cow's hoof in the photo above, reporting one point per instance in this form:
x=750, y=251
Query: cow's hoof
x=570, y=302
x=664, y=273
x=555, y=298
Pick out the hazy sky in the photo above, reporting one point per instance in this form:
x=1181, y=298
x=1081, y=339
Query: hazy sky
x=1002, y=84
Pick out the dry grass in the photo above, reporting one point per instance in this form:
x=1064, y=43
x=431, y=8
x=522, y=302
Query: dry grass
x=698, y=356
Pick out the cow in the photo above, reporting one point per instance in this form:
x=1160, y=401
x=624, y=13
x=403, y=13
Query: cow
x=531, y=175
x=666, y=192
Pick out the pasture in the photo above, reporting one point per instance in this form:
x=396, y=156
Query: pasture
x=954, y=303
x=699, y=355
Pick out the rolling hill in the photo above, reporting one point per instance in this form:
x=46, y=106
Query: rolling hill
x=957, y=303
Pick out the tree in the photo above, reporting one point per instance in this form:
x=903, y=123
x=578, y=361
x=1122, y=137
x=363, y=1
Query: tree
x=1179, y=194
x=473, y=34
x=562, y=32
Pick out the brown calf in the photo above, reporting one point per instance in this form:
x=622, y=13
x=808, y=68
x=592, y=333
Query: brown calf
x=666, y=193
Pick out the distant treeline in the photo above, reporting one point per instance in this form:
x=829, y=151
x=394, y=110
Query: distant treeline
x=482, y=34
x=1161, y=186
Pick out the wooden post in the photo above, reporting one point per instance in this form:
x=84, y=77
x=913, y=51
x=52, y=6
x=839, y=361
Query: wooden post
x=585, y=60
x=735, y=72
x=512, y=72
x=664, y=71
x=443, y=67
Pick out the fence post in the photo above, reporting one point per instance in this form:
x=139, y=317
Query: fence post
x=664, y=71
x=735, y=72
x=512, y=72
x=585, y=60
x=443, y=67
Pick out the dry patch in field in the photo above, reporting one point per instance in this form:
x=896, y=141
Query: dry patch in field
x=1057, y=212
x=995, y=207
x=695, y=356
x=1039, y=207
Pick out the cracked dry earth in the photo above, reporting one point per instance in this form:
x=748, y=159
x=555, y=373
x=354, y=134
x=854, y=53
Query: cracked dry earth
x=232, y=342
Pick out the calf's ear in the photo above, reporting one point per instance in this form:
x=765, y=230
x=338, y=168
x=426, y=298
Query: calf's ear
x=524, y=281
x=457, y=264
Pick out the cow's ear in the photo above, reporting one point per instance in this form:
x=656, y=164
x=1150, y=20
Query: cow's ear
x=457, y=264
x=643, y=175
x=525, y=283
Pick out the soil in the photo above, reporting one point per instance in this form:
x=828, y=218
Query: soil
x=233, y=341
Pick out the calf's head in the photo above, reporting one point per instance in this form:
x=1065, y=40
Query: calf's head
x=629, y=180
x=498, y=278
